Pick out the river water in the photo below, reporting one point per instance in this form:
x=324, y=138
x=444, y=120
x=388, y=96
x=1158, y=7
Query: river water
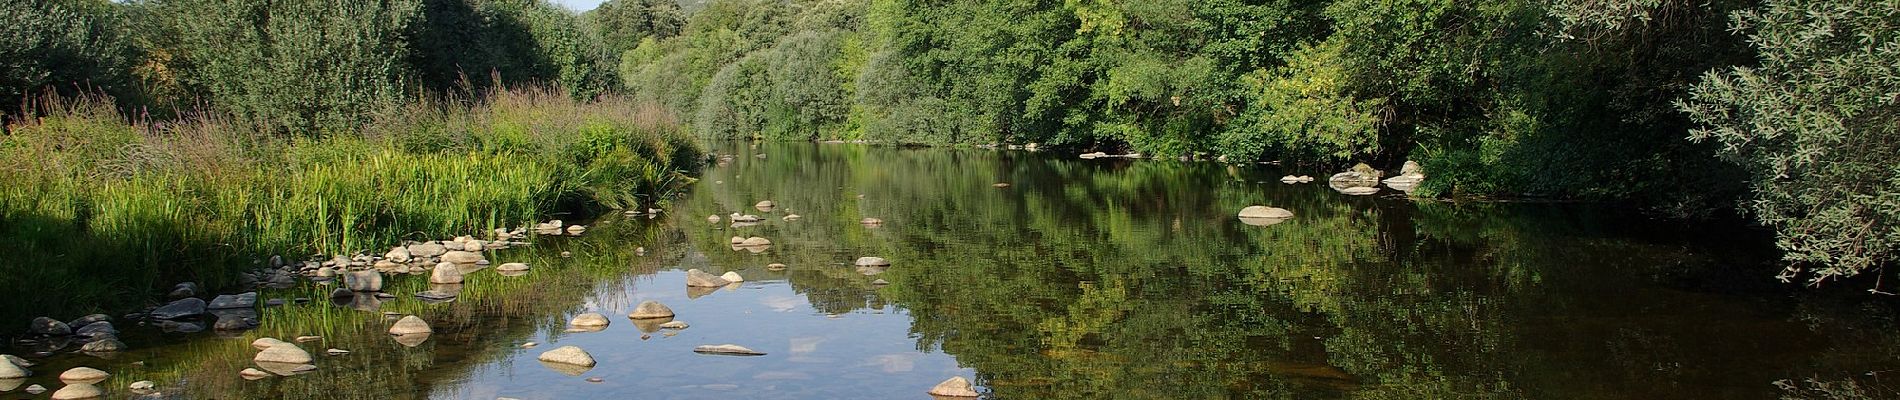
x=1083, y=279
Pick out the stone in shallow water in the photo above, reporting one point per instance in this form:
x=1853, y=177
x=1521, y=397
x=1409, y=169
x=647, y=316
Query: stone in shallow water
x=363, y=281
x=873, y=262
x=675, y=325
x=241, y=300
x=450, y=274
x=650, y=310
x=336, y=352
x=512, y=267
x=190, y=307
x=411, y=340
x=1265, y=212
x=82, y=322
x=251, y=374
x=588, y=320
x=265, y=343
x=104, y=345
x=142, y=386
x=284, y=353
x=697, y=278
x=409, y=325
x=775, y=267
x=83, y=375
x=77, y=391
x=462, y=257
x=50, y=327
x=570, y=355
x=10, y=371
x=954, y=387
x=732, y=276
x=727, y=350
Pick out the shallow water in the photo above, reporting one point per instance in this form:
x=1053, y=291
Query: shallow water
x=1084, y=279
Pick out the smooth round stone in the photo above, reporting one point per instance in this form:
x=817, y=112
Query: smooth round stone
x=83, y=375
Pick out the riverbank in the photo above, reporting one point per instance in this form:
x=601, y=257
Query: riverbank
x=101, y=209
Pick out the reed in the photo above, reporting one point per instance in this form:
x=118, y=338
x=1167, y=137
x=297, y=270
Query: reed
x=100, y=209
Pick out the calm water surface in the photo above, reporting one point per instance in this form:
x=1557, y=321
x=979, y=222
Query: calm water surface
x=1085, y=279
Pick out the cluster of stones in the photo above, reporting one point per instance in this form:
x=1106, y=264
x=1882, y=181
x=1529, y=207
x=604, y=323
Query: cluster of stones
x=78, y=382
x=1364, y=180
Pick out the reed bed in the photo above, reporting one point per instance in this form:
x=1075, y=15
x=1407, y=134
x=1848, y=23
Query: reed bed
x=99, y=209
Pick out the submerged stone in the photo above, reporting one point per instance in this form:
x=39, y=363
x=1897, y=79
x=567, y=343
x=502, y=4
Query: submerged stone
x=954, y=387
x=83, y=375
x=697, y=278
x=727, y=349
x=409, y=325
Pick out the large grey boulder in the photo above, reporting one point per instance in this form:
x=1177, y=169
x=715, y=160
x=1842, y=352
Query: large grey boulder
x=106, y=344
x=96, y=329
x=186, y=308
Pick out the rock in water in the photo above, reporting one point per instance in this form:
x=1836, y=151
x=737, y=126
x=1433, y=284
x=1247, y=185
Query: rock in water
x=569, y=355
x=732, y=276
x=88, y=320
x=183, y=290
x=712, y=219
x=50, y=327
x=106, y=345
x=409, y=325
x=954, y=387
x=1265, y=212
x=462, y=257
x=871, y=221
x=77, y=391
x=873, y=262
x=512, y=267
x=755, y=241
x=10, y=371
x=96, y=329
x=363, y=281
x=265, y=343
x=241, y=300
x=674, y=325
x=1290, y=179
x=766, y=205
x=16, y=360
x=697, y=278
x=251, y=374
x=451, y=274
x=775, y=267
x=736, y=240
x=142, y=386
x=398, y=254
x=791, y=217
x=649, y=310
x=1411, y=168
x=588, y=320
x=727, y=349
x=83, y=375
x=189, y=307
x=1360, y=191
x=430, y=249
x=284, y=353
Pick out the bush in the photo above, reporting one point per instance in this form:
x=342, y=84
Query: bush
x=66, y=46
x=1815, y=124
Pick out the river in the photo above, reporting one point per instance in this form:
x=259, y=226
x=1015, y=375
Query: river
x=1082, y=279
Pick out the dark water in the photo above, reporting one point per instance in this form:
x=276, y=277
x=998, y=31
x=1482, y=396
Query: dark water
x=1087, y=279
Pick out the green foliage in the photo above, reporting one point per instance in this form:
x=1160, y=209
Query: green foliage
x=67, y=46
x=623, y=24
x=314, y=67
x=1815, y=126
x=91, y=196
x=1302, y=111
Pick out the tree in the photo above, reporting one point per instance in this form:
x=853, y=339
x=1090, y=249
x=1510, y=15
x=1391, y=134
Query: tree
x=67, y=46
x=1817, y=125
x=622, y=24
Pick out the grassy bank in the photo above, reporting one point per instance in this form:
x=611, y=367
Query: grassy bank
x=100, y=208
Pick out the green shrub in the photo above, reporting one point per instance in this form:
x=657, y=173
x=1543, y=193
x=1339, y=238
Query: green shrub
x=1816, y=125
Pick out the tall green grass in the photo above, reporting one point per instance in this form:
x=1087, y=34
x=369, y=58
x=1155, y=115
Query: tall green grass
x=98, y=209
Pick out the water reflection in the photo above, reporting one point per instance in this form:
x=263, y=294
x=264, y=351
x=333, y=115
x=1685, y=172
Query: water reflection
x=1083, y=279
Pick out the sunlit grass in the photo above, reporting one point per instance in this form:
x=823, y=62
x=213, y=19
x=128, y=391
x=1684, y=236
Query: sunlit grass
x=101, y=209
